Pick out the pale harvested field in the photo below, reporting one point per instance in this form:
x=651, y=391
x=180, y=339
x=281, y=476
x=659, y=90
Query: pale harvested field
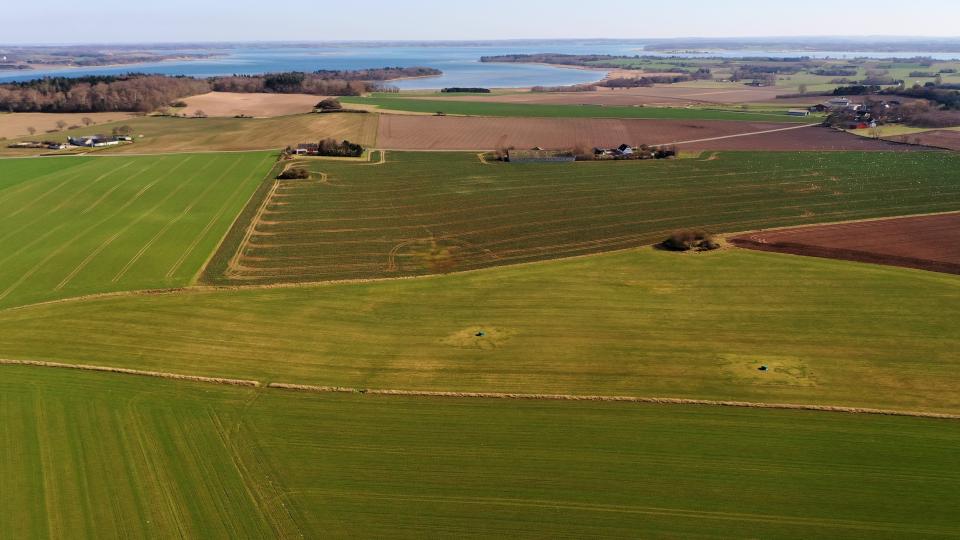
x=398, y=132
x=256, y=105
x=657, y=95
x=17, y=124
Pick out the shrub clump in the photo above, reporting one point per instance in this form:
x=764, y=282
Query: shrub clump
x=329, y=105
x=690, y=241
x=294, y=174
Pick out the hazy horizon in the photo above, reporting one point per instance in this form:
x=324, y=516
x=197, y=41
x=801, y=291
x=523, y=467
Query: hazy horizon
x=205, y=21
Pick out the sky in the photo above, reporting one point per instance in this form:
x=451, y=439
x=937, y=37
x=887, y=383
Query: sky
x=139, y=21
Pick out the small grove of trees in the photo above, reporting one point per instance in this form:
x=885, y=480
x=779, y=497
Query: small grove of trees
x=329, y=105
x=459, y=90
x=574, y=88
x=690, y=240
x=330, y=147
x=294, y=173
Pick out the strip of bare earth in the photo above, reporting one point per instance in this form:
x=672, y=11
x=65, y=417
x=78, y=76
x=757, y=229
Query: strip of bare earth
x=476, y=395
x=620, y=399
x=137, y=372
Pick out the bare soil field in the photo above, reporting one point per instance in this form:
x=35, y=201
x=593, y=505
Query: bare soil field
x=940, y=138
x=402, y=132
x=924, y=242
x=17, y=124
x=662, y=95
x=256, y=105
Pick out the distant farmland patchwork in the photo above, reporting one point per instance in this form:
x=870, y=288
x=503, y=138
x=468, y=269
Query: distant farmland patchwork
x=74, y=226
x=406, y=132
x=95, y=456
x=432, y=213
x=479, y=108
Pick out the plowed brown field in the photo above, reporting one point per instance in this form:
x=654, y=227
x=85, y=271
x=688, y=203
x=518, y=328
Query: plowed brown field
x=924, y=242
x=401, y=132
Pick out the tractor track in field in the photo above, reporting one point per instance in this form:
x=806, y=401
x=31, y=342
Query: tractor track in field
x=246, y=383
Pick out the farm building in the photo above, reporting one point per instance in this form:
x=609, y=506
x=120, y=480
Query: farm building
x=540, y=156
x=307, y=149
x=94, y=140
x=798, y=112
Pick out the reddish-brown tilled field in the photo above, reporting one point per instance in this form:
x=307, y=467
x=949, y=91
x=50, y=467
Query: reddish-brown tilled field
x=924, y=242
x=402, y=132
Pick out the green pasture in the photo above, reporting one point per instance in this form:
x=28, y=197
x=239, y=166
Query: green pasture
x=78, y=225
x=99, y=456
x=480, y=108
x=423, y=213
x=640, y=322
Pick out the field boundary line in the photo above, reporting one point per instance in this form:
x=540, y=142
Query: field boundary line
x=137, y=372
x=481, y=395
x=618, y=399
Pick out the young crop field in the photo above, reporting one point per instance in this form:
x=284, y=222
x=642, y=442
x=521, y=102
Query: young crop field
x=94, y=456
x=485, y=108
x=422, y=213
x=78, y=225
x=637, y=323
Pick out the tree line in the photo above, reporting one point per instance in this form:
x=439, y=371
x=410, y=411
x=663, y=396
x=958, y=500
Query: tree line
x=133, y=93
x=138, y=92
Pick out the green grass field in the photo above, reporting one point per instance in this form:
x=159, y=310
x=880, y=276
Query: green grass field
x=78, y=225
x=479, y=108
x=642, y=322
x=97, y=456
x=424, y=213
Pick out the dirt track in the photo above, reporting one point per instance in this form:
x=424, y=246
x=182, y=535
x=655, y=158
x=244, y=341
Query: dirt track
x=924, y=242
x=400, y=132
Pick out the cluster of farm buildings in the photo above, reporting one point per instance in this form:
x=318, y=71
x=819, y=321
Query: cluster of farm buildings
x=88, y=141
x=624, y=151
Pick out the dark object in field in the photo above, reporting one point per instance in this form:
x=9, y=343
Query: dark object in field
x=481, y=334
x=689, y=241
x=294, y=174
x=763, y=368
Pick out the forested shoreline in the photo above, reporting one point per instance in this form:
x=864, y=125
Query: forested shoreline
x=139, y=92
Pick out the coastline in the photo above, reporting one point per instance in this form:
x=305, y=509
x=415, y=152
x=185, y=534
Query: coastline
x=62, y=67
